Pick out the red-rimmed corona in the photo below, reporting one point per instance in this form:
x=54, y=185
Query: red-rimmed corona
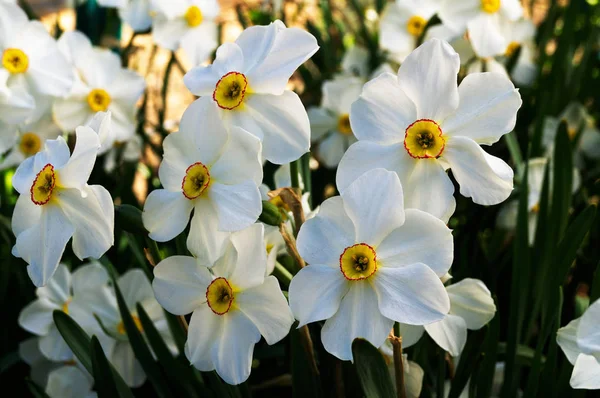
x=43, y=185
x=358, y=262
x=424, y=139
x=195, y=181
x=230, y=90
x=219, y=296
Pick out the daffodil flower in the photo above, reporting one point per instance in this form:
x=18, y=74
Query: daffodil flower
x=471, y=307
x=371, y=262
x=419, y=123
x=189, y=24
x=136, y=13
x=231, y=301
x=58, y=294
x=580, y=341
x=56, y=203
x=246, y=86
x=210, y=170
x=482, y=20
x=102, y=85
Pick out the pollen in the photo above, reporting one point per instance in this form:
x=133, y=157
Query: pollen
x=490, y=6
x=415, y=25
x=98, y=100
x=43, y=185
x=136, y=321
x=358, y=262
x=65, y=306
x=219, y=296
x=15, y=61
x=269, y=247
x=424, y=139
x=230, y=90
x=196, y=180
x=512, y=47
x=343, y=124
x=193, y=16
x=30, y=144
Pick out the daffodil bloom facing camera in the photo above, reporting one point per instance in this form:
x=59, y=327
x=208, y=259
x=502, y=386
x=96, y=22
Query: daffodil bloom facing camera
x=189, y=24
x=231, y=301
x=471, y=307
x=419, y=124
x=56, y=203
x=209, y=169
x=371, y=262
x=246, y=85
x=580, y=341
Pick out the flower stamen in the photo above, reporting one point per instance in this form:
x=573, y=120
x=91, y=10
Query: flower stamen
x=43, y=185
x=30, y=144
x=230, y=90
x=15, y=61
x=196, y=180
x=358, y=262
x=98, y=100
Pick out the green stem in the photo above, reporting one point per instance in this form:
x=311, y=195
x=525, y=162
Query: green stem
x=515, y=150
x=441, y=373
x=282, y=274
x=295, y=174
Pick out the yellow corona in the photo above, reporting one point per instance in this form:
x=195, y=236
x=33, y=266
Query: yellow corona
x=219, y=296
x=358, y=262
x=196, y=180
x=230, y=90
x=424, y=140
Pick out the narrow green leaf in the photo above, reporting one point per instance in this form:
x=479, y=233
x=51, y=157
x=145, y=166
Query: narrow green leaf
x=549, y=377
x=490, y=357
x=129, y=218
x=562, y=177
x=373, y=374
x=103, y=377
x=140, y=349
x=469, y=360
x=304, y=382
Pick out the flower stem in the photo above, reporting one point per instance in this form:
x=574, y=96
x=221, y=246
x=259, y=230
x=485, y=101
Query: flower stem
x=282, y=274
x=295, y=175
x=398, y=363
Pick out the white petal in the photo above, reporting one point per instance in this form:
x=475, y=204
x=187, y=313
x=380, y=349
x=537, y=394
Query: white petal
x=167, y=33
x=205, y=241
x=135, y=287
x=238, y=206
x=198, y=44
x=125, y=363
x=393, y=35
x=484, y=178
x=272, y=53
x=428, y=76
x=411, y=334
x=239, y=160
x=331, y=150
x=588, y=333
x=73, y=44
x=472, y=301
x=566, y=337
x=586, y=373
x=56, y=152
x=507, y=216
x=101, y=123
x=68, y=382
x=485, y=35
x=283, y=122
x=71, y=112
x=511, y=9
x=316, y=292
x=42, y=245
x=375, y=204
x=166, y=214
x=54, y=347
x=450, y=333
x=322, y=239
x=339, y=94
x=204, y=329
x=457, y=15
x=24, y=176
x=76, y=172
x=232, y=353
x=590, y=142
x=126, y=89
x=36, y=317
x=411, y=294
x=321, y=122
x=251, y=259
x=268, y=309
x=488, y=108
x=383, y=111
x=421, y=239
x=58, y=289
x=358, y=316
x=89, y=276
x=93, y=219
x=137, y=15
x=363, y=156
x=202, y=80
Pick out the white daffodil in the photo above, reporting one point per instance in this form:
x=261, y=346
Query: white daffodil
x=507, y=217
x=101, y=85
x=69, y=382
x=413, y=372
x=27, y=140
x=58, y=294
x=40, y=366
x=578, y=119
x=482, y=19
x=371, y=263
x=415, y=124
x=16, y=106
x=103, y=302
x=580, y=341
x=402, y=24
x=330, y=123
x=31, y=60
x=246, y=86
x=210, y=170
x=471, y=307
x=56, y=203
x=471, y=62
x=136, y=13
x=232, y=304
x=274, y=245
x=189, y=24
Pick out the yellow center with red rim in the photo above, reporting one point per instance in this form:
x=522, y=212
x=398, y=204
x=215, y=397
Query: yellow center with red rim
x=43, y=185
x=230, y=90
x=358, y=262
x=15, y=61
x=196, y=180
x=424, y=139
x=219, y=296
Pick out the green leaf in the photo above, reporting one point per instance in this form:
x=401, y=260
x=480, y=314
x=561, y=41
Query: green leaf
x=304, y=382
x=562, y=177
x=373, y=374
x=103, y=377
x=469, y=360
x=490, y=357
x=129, y=218
x=140, y=349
